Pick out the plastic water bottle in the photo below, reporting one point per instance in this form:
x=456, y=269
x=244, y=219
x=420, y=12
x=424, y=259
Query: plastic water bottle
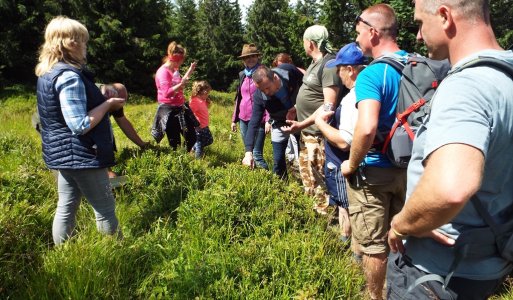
x=176, y=78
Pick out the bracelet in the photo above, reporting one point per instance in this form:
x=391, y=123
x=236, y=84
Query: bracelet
x=399, y=235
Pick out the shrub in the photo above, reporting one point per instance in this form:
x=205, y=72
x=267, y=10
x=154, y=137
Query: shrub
x=192, y=228
x=253, y=238
x=158, y=182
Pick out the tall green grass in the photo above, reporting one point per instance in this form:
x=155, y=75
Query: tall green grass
x=207, y=229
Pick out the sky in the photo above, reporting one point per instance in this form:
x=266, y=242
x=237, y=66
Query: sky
x=244, y=4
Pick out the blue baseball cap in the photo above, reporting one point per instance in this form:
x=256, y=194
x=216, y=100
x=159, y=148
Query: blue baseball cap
x=350, y=54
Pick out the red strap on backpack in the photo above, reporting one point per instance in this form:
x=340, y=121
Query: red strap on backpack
x=402, y=120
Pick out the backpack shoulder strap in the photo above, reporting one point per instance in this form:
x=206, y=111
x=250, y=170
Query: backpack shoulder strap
x=491, y=62
x=393, y=61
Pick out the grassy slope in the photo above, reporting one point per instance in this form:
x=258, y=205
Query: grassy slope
x=206, y=229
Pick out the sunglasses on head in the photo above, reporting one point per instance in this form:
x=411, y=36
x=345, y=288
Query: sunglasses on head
x=360, y=19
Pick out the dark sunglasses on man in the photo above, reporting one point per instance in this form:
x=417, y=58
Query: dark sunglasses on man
x=360, y=19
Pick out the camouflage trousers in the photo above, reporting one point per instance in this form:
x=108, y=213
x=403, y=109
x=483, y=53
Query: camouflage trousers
x=311, y=168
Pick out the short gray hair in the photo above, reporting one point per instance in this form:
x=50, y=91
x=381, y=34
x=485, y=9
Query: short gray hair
x=472, y=9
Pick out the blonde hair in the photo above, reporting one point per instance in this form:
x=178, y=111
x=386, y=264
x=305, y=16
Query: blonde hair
x=65, y=40
x=200, y=87
x=174, y=48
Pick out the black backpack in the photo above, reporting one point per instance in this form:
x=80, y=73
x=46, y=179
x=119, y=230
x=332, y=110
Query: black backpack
x=420, y=78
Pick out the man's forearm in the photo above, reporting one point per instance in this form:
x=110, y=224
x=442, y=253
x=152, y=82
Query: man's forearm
x=332, y=135
x=423, y=212
x=451, y=177
x=359, y=148
x=129, y=131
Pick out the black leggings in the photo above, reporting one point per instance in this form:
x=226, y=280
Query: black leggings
x=174, y=130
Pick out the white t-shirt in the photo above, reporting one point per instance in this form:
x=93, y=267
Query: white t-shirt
x=348, y=116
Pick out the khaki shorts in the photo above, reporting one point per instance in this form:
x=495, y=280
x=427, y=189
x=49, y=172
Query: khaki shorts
x=372, y=207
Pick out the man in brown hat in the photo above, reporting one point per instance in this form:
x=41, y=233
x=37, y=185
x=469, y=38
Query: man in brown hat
x=249, y=50
x=244, y=103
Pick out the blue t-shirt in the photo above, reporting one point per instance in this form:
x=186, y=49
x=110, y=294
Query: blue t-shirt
x=472, y=107
x=380, y=82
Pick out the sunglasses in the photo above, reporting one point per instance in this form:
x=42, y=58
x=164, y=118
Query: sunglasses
x=359, y=19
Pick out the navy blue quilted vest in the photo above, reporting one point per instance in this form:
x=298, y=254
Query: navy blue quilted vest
x=62, y=149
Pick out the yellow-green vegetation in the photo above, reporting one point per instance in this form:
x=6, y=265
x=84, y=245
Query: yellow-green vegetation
x=207, y=229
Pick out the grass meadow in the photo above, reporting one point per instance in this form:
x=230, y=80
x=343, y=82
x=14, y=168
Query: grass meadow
x=207, y=229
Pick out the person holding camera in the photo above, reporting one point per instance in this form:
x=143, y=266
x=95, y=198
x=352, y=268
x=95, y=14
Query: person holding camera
x=338, y=129
x=321, y=86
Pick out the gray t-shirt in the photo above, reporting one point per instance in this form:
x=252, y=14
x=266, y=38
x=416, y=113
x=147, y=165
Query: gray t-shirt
x=310, y=95
x=472, y=107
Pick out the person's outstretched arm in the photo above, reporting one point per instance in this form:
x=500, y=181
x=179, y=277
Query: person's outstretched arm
x=129, y=130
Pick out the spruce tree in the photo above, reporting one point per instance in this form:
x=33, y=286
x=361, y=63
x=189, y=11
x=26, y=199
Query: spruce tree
x=267, y=22
x=219, y=40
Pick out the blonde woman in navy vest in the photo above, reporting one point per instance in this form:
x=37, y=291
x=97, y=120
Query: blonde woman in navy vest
x=75, y=128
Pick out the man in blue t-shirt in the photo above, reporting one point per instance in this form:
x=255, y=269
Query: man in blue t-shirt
x=461, y=158
x=376, y=189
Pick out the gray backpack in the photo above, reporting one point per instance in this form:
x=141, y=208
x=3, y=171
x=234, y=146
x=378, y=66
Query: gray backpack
x=492, y=240
x=420, y=78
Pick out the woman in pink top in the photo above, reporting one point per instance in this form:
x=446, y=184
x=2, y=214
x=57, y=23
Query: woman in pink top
x=244, y=103
x=173, y=116
x=199, y=106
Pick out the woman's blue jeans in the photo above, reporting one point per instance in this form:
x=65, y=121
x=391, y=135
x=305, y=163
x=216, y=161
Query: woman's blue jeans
x=94, y=185
x=258, y=146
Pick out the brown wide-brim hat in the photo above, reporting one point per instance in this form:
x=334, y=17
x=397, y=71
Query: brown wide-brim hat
x=249, y=50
